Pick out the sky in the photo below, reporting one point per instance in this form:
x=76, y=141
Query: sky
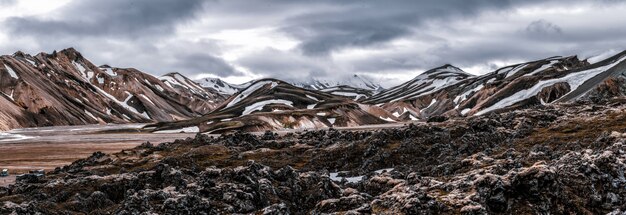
x=387, y=41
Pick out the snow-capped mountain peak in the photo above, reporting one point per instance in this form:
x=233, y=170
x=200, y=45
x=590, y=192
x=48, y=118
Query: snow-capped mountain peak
x=355, y=81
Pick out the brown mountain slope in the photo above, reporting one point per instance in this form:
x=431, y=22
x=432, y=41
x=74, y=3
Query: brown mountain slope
x=64, y=88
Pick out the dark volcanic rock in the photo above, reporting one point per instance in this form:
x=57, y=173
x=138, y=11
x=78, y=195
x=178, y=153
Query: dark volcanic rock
x=558, y=159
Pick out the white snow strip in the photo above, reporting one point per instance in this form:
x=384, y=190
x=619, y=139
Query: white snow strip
x=334, y=176
x=146, y=98
x=5, y=137
x=465, y=95
x=356, y=96
x=159, y=88
x=194, y=129
x=465, y=111
x=321, y=114
x=311, y=97
x=515, y=70
x=387, y=119
x=259, y=105
x=540, y=69
x=249, y=91
x=574, y=80
x=90, y=114
x=383, y=170
x=31, y=62
x=11, y=71
x=311, y=106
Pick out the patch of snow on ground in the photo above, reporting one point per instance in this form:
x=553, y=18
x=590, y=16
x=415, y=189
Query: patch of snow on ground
x=356, y=96
x=383, y=170
x=321, y=114
x=311, y=106
x=259, y=105
x=334, y=176
x=465, y=111
x=194, y=129
x=11, y=71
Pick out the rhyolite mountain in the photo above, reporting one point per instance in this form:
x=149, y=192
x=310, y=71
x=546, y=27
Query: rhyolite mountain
x=271, y=104
x=437, y=94
x=64, y=88
x=220, y=86
x=355, y=86
x=447, y=91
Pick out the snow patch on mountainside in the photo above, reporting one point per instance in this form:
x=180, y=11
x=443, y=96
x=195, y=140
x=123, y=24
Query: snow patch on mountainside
x=574, y=80
x=219, y=86
x=251, y=89
x=259, y=105
x=11, y=72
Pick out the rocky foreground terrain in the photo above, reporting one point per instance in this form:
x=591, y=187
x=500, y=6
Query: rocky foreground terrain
x=558, y=159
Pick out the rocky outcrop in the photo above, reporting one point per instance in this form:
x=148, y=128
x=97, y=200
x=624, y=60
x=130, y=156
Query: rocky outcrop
x=557, y=159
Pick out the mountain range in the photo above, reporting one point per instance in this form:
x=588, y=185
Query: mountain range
x=64, y=88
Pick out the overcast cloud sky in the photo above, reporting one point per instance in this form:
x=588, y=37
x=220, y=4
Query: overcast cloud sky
x=388, y=41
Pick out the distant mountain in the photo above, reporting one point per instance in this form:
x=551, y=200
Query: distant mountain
x=271, y=104
x=437, y=94
x=63, y=88
x=355, y=81
x=428, y=82
x=356, y=87
x=220, y=86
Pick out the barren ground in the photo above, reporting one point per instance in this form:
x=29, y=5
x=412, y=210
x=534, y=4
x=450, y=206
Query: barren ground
x=46, y=148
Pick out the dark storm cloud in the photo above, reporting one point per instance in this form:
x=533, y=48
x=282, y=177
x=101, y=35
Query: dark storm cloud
x=283, y=65
x=543, y=27
x=144, y=34
x=369, y=23
x=111, y=18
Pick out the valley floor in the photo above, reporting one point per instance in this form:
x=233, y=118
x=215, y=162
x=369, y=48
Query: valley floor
x=22, y=150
